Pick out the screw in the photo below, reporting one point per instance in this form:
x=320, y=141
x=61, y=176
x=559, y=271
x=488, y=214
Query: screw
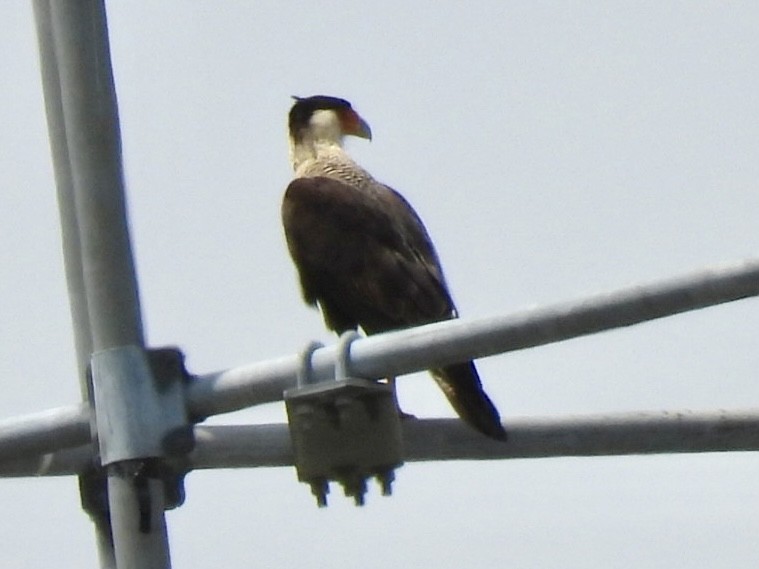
x=386, y=479
x=320, y=489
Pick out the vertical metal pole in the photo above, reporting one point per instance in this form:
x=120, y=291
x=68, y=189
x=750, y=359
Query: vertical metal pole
x=92, y=134
x=83, y=120
x=65, y=186
x=92, y=487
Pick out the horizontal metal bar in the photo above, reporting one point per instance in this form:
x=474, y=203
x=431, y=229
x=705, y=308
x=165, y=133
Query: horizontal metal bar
x=245, y=446
x=42, y=432
x=66, y=462
x=450, y=439
x=420, y=348
x=591, y=435
x=412, y=350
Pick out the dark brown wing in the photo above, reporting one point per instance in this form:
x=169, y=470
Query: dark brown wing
x=367, y=260
x=364, y=257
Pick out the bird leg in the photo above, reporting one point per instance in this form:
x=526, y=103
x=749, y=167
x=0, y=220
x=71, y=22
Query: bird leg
x=392, y=383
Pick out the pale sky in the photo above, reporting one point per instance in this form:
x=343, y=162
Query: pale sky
x=554, y=150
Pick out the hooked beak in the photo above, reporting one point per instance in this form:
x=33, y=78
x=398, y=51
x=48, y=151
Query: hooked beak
x=354, y=125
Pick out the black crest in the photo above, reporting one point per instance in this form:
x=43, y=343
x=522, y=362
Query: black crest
x=304, y=107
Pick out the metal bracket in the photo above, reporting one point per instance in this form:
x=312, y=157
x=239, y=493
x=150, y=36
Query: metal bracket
x=136, y=414
x=347, y=430
x=141, y=415
x=343, y=358
x=306, y=368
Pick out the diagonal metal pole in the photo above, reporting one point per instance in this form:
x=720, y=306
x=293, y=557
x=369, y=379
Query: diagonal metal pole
x=84, y=130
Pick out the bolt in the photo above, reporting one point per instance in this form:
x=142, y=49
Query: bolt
x=386, y=479
x=320, y=489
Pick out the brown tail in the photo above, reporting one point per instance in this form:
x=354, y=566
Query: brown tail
x=461, y=385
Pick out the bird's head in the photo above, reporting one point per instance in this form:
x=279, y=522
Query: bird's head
x=325, y=119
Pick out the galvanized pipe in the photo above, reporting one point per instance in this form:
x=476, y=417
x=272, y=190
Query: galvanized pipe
x=85, y=131
x=64, y=182
x=529, y=437
x=94, y=148
x=42, y=432
x=424, y=347
x=442, y=343
x=90, y=489
x=608, y=434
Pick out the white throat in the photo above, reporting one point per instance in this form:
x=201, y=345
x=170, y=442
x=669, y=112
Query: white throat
x=322, y=139
x=309, y=150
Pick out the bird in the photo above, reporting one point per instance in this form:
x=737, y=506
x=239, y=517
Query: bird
x=363, y=255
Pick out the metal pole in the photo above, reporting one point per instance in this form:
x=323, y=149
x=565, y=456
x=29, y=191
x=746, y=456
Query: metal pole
x=85, y=114
x=413, y=350
x=607, y=434
x=92, y=489
x=94, y=147
x=65, y=187
x=67, y=462
x=45, y=431
x=423, y=347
